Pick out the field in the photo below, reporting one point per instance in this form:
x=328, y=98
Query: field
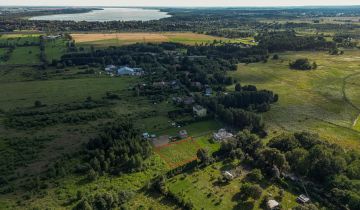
x=55, y=49
x=103, y=40
x=19, y=39
x=24, y=56
x=324, y=101
x=19, y=94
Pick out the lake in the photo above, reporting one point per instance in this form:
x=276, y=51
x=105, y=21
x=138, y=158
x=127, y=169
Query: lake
x=109, y=14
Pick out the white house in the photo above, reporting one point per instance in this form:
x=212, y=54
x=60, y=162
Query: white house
x=228, y=175
x=222, y=135
x=110, y=68
x=272, y=204
x=126, y=71
x=199, y=111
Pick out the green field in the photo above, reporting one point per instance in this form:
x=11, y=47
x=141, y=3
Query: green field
x=20, y=94
x=323, y=101
x=55, y=49
x=24, y=56
x=19, y=39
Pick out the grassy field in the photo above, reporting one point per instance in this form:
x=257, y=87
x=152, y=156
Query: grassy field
x=103, y=40
x=24, y=56
x=323, y=101
x=19, y=39
x=54, y=49
x=19, y=94
x=200, y=187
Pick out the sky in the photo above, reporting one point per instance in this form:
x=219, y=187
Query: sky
x=177, y=3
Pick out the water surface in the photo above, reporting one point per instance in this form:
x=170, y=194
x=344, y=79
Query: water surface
x=109, y=14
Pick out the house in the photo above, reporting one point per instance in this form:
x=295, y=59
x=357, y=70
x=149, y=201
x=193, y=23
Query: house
x=272, y=204
x=126, y=71
x=183, y=134
x=222, y=135
x=228, y=175
x=199, y=111
x=129, y=71
x=208, y=91
x=145, y=135
x=160, y=84
x=110, y=68
x=303, y=199
x=188, y=100
x=50, y=37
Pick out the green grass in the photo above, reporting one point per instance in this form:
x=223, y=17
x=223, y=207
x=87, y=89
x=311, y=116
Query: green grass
x=20, y=94
x=19, y=39
x=310, y=100
x=54, y=49
x=24, y=55
x=200, y=188
x=56, y=198
x=178, y=153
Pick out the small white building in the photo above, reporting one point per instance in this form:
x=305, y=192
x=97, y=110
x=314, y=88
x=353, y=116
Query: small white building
x=222, y=135
x=199, y=111
x=228, y=175
x=303, y=199
x=110, y=68
x=272, y=204
x=126, y=71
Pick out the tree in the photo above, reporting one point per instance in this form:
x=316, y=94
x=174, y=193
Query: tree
x=37, y=103
x=255, y=175
x=203, y=156
x=253, y=191
x=237, y=87
x=83, y=205
x=92, y=175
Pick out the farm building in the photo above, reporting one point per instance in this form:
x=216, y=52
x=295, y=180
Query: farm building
x=129, y=71
x=303, y=199
x=222, y=135
x=183, y=134
x=199, y=111
x=272, y=205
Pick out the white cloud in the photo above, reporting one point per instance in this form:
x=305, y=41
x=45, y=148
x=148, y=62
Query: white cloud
x=177, y=2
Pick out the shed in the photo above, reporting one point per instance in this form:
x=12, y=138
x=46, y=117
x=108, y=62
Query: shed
x=199, y=111
x=303, y=199
x=183, y=134
x=272, y=204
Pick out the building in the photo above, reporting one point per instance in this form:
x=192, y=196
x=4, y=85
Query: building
x=146, y=135
x=272, y=205
x=222, y=135
x=188, y=100
x=208, y=91
x=122, y=71
x=110, y=68
x=228, y=175
x=199, y=111
x=303, y=199
x=183, y=134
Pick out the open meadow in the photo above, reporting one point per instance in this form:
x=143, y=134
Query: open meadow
x=323, y=101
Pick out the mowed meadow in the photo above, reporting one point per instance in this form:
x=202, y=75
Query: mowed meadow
x=116, y=39
x=324, y=101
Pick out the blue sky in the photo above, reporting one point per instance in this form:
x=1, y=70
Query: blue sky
x=178, y=2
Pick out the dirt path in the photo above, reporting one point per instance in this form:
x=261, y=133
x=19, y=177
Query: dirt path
x=347, y=100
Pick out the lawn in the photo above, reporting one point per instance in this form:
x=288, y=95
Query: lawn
x=323, y=101
x=115, y=39
x=200, y=187
x=20, y=94
x=25, y=55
